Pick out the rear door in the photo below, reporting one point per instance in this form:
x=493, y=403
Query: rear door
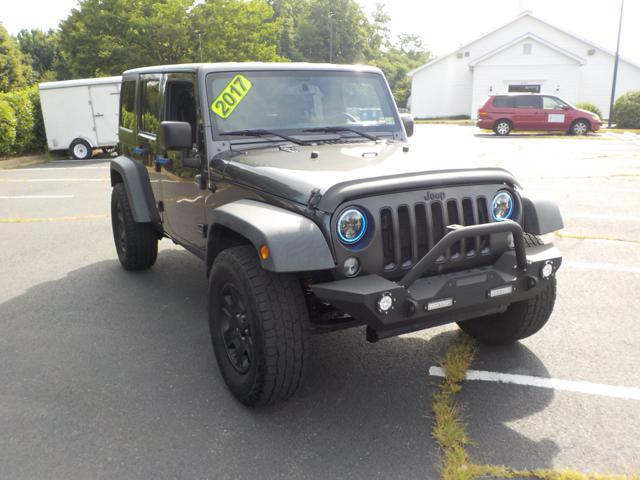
x=104, y=106
x=555, y=114
x=527, y=114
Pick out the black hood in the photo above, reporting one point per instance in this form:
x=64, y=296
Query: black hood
x=344, y=171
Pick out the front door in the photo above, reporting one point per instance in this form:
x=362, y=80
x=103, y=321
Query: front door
x=555, y=114
x=527, y=112
x=182, y=196
x=104, y=103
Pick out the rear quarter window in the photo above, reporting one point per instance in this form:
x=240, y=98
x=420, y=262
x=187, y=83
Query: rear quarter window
x=503, y=101
x=127, y=105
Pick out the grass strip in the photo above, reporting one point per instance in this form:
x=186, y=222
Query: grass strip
x=449, y=429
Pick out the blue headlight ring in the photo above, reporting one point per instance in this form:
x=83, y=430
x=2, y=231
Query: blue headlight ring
x=362, y=231
x=511, y=204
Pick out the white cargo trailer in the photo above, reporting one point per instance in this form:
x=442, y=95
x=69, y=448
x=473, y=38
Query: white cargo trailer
x=80, y=115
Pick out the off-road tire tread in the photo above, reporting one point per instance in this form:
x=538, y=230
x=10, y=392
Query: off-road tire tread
x=521, y=320
x=142, y=238
x=282, y=312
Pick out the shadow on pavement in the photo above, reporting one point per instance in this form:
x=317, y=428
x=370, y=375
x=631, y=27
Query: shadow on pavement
x=111, y=373
x=492, y=406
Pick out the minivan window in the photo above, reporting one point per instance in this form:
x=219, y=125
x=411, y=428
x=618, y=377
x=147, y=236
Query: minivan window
x=503, y=101
x=149, y=121
x=552, y=103
x=528, y=101
x=127, y=105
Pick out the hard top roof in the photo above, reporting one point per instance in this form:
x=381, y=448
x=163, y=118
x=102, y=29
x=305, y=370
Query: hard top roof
x=235, y=66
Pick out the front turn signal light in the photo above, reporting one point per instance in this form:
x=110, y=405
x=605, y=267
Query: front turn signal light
x=264, y=252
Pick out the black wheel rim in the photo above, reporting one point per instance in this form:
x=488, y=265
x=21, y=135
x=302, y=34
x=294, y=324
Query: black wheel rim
x=120, y=230
x=235, y=329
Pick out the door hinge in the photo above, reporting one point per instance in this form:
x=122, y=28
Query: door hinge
x=203, y=228
x=161, y=206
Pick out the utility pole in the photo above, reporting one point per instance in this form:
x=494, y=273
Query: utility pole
x=330, y=36
x=615, y=66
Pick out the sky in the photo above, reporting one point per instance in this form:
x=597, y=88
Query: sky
x=444, y=26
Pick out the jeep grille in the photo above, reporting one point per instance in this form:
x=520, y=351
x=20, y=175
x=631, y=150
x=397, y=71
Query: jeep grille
x=409, y=232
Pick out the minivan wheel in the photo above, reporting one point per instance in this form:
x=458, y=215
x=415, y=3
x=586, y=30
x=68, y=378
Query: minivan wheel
x=502, y=127
x=80, y=149
x=580, y=127
x=259, y=327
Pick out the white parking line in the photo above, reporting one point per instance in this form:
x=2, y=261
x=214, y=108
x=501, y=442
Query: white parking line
x=601, y=216
x=34, y=197
x=36, y=180
x=22, y=170
x=589, y=388
x=606, y=267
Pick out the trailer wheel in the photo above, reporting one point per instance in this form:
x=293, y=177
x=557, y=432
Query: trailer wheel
x=80, y=149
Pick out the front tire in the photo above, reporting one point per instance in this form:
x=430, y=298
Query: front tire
x=502, y=127
x=136, y=243
x=580, y=127
x=259, y=327
x=520, y=320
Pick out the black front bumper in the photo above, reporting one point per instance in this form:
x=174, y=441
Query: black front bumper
x=422, y=302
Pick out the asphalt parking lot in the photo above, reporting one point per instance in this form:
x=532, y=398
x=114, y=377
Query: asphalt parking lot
x=110, y=374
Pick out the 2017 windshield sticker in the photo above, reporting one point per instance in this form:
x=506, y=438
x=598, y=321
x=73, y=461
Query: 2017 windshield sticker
x=231, y=96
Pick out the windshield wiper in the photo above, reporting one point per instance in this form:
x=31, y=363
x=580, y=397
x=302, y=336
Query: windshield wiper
x=259, y=132
x=329, y=129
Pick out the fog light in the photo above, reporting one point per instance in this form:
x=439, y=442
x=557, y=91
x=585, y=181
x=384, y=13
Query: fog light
x=437, y=304
x=385, y=302
x=351, y=267
x=546, y=270
x=497, y=292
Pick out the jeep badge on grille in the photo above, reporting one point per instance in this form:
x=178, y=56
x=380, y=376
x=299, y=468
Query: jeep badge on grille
x=434, y=196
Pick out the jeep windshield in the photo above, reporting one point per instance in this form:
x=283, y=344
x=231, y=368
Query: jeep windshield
x=310, y=103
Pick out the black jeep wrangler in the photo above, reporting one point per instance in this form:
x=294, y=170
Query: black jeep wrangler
x=296, y=185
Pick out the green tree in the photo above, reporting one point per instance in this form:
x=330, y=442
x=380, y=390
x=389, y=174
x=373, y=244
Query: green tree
x=397, y=60
x=105, y=37
x=333, y=31
x=42, y=49
x=236, y=30
x=13, y=71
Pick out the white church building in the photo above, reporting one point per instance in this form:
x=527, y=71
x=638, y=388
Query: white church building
x=525, y=55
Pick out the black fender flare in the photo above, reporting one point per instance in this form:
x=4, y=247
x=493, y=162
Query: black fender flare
x=296, y=243
x=136, y=180
x=541, y=216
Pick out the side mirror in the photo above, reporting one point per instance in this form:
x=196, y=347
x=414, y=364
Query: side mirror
x=407, y=121
x=565, y=107
x=175, y=135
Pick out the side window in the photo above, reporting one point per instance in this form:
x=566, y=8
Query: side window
x=127, y=105
x=528, y=101
x=150, y=106
x=503, y=101
x=550, y=103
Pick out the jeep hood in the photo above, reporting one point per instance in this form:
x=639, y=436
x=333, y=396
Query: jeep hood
x=347, y=171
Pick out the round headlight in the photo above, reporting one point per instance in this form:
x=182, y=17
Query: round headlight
x=352, y=226
x=502, y=206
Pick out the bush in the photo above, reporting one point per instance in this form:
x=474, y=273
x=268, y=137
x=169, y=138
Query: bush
x=23, y=111
x=23, y=128
x=626, y=111
x=7, y=128
x=589, y=107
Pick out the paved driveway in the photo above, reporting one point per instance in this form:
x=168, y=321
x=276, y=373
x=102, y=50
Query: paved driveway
x=110, y=374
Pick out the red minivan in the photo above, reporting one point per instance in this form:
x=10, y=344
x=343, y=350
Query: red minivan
x=504, y=113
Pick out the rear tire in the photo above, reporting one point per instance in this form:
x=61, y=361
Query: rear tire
x=259, y=327
x=136, y=243
x=520, y=320
x=80, y=149
x=580, y=127
x=502, y=127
